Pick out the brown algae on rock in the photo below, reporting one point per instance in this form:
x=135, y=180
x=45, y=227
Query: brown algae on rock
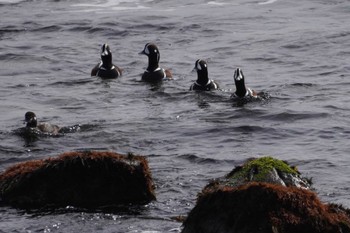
x=87, y=179
x=264, y=195
x=265, y=208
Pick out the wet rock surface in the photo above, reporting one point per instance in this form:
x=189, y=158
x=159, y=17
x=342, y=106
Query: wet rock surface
x=264, y=195
x=83, y=179
x=264, y=169
x=265, y=208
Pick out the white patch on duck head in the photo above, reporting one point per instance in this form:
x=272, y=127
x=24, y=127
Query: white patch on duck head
x=146, y=50
x=149, y=47
x=105, y=50
x=32, y=119
x=238, y=75
x=198, y=65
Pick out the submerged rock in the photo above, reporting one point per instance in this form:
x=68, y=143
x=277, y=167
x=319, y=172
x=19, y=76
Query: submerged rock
x=81, y=179
x=264, y=195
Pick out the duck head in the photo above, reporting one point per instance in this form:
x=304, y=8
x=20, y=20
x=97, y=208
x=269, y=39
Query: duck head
x=152, y=52
x=30, y=119
x=106, y=55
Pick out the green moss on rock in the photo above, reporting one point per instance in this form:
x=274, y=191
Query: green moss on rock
x=262, y=170
x=259, y=168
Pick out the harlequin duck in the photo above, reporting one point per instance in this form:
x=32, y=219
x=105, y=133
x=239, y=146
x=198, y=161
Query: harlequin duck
x=32, y=123
x=154, y=73
x=241, y=90
x=203, y=83
x=106, y=69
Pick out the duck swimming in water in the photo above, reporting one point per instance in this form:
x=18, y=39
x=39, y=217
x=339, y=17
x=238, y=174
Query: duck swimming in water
x=32, y=123
x=203, y=82
x=106, y=69
x=154, y=73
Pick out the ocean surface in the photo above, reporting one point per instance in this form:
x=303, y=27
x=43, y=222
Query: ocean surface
x=296, y=51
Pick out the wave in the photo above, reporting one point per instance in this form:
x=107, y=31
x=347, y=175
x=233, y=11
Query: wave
x=110, y=5
x=199, y=160
x=267, y=2
x=5, y=2
x=290, y=116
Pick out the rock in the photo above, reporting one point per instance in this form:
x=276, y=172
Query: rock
x=264, y=169
x=82, y=179
x=265, y=208
x=264, y=195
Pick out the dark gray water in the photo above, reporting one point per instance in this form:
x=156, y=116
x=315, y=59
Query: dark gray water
x=297, y=51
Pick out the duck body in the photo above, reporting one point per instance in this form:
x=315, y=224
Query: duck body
x=106, y=73
x=106, y=69
x=203, y=83
x=154, y=73
x=211, y=85
x=48, y=128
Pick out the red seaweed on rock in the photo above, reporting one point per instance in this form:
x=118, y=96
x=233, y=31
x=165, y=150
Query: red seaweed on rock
x=265, y=208
x=264, y=195
x=83, y=179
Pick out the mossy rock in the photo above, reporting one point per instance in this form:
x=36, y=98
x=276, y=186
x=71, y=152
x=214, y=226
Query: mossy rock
x=259, y=169
x=264, y=195
x=265, y=169
x=83, y=179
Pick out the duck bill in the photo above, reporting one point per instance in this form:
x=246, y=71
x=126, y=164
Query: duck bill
x=142, y=52
x=195, y=69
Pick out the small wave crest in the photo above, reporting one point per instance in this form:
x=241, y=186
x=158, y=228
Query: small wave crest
x=110, y=5
x=3, y=2
x=267, y=2
x=199, y=160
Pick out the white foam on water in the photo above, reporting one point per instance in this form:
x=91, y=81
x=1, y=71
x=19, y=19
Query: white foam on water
x=267, y=2
x=10, y=1
x=110, y=5
x=216, y=3
x=150, y=232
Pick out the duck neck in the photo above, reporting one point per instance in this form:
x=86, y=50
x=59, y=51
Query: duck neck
x=107, y=61
x=32, y=123
x=241, y=89
x=153, y=63
x=202, y=77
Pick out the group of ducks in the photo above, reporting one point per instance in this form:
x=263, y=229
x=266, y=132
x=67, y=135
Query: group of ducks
x=105, y=69
x=154, y=73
